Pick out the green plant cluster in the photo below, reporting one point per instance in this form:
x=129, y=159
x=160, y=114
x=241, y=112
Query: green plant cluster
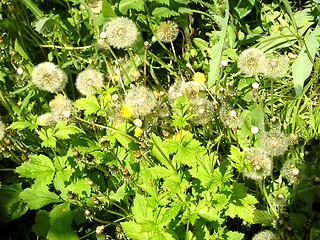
x=159, y=119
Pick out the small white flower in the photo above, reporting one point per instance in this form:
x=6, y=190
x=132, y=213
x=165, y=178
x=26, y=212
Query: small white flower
x=66, y=113
x=295, y=171
x=233, y=113
x=255, y=130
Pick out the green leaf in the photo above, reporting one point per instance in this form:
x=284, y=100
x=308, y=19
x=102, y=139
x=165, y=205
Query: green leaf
x=205, y=169
x=41, y=226
x=262, y=217
x=234, y=235
x=164, y=12
x=45, y=25
x=125, y=5
x=217, y=49
x=62, y=131
x=90, y=104
x=302, y=67
x=133, y=230
x=107, y=10
x=241, y=8
x=22, y=125
x=33, y=7
x=83, y=144
x=60, y=223
x=241, y=204
x=38, y=197
x=141, y=212
x=120, y=194
x=40, y=168
x=159, y=151
x=20, y=50
x=46, y=135
x=81, y=188
x=11, y=206
x=125, y=141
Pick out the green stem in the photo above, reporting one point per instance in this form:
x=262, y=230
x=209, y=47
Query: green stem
x=272, y=113
x=271, y=170
x=264, y=192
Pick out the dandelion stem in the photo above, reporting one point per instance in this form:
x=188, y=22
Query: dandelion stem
x=264, y=191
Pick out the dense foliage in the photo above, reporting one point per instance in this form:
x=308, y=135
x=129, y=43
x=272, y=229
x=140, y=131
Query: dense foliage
x=159, y=119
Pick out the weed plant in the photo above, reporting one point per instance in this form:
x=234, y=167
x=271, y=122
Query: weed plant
x=159, y=119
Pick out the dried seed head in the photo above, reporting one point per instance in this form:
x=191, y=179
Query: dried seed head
x=275, y=142
x=47, y=77
x=265, y=235
x=2, y=130
x=167, y=31
x=88, y=81
x=250, y=61
x=121, y=32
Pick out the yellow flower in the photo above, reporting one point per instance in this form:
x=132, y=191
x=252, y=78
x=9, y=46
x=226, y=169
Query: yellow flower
x=199, y=77
x=137, y=132
x=179, y=135
x=126, y=111
x=109, y=97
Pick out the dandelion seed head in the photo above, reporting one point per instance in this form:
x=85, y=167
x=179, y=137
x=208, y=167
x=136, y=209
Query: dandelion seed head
x=46, y=119
x=203, y=111
x=290, y=171
x=47, y=77
x=229, y=117
x=250, y=61
x=142, y=101
x=167, y=31
x=260, y=164
x=62, y=109
x=88, y=81
x=275, y=66
x=265, y=235
x=275, y=142
x=121, y=32
x=2, y=130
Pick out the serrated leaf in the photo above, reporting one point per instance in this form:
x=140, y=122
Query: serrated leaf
x=164, y=12
x=46, y=135
x=38, y=197
x=11, y=206
x=60, y=223
x=302, y=67
x=22, y=125
x=133, y=230
x=125, y=141
x=120, y=194
x=262, y=217
x=81, y=188
x=62, y=131
x=33, y=7
x=40, y=168
x=45, y=25
x=90, y=104
x=241, y=8
x=141, y=212
x=41, y=226
x=241, y=203
x=83, y=144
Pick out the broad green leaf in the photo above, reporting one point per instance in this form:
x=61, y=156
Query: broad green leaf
x=164, y=12
x=207, y=212
x=125, y=141
x=60, y=223
x=159, y=151
x=11, y=206
x=166, y=215
x=62, y=131
x=83, y=144
x=241, y=8
x=241, y=203
x=133, y=230
x=41, y=226
x=107, y=10
x=258, y=117
x=237, y=158
x=19, y=49
x=38, y=197
x=141, y=212
x=302, y=67
x=33, y=7
x=81, y=188
x=234, y=235
x=125, y=5
x=45, y=25
x=90, y=104
x=40, y=168
x=217, y=49
x=204, y=170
